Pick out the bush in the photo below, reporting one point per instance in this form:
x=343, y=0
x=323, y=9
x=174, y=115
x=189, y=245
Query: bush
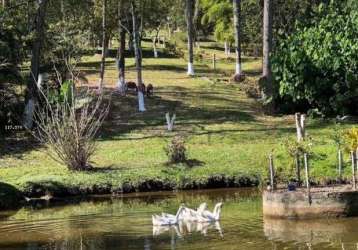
x=317, y=66
x=351, y=139
x=69, y=127
x=176, y=150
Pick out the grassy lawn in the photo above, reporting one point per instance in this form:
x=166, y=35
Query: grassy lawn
x=228, y=136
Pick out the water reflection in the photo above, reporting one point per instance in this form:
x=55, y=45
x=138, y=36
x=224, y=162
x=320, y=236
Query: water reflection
x=339, y=232
x=188, y=227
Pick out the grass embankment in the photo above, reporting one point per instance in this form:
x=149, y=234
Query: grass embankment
x=228, y=136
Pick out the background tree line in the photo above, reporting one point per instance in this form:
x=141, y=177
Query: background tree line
x=38, y=34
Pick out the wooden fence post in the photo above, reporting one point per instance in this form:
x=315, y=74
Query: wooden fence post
x=340, y=165
x=308, y=185
x=356, y=157
x=353, y=171
x=272, y=172
x=298, y=169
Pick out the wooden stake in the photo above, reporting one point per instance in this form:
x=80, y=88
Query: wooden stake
x=298, y=169
x=340, y=164
x=356, y=157
x=353, y=171
x=214, y=62
x=272, y=173
x=308, y=185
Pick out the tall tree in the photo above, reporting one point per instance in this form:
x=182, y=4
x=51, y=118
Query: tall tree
x=190, y=5
x=122, y=46
x=237, y=24
x=104, y=43
x=267, y=48
x=138, y=54
x=35, y=62
x=218, y=13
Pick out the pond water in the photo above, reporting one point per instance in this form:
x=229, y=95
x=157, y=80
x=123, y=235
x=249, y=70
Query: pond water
x=125, y=223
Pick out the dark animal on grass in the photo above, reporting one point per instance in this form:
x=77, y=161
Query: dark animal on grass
x=132, y=86
x=150, y=90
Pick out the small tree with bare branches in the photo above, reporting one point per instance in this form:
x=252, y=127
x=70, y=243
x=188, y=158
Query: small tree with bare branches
x=69, y=126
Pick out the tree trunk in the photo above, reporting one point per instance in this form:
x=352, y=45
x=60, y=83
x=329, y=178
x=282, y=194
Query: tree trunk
x=237, y=24
x=35, y=63
x=121, y=50
x=104, y=44
x=130, y=42
x=300, y=126
x=155, y=51
x=36, y=49
x=4, y=2
x=226, y=48
x=267, y=48
x=138, y=59
x=155, y=40
x=190, y=30
x=195, y=22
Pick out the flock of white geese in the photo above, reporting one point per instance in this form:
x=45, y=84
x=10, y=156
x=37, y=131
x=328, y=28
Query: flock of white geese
x=200, y=215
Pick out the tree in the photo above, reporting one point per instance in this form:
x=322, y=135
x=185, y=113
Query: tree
x=315, y=68
x=219, y=14
x=104, y=43
x=266, y=80
x=237, y=24
x=4, y=4
x=190, y=5
x=122, y=46
x=138, y=54
x=35, y=62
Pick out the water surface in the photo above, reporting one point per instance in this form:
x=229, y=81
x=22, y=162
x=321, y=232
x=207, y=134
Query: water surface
x=125, y=223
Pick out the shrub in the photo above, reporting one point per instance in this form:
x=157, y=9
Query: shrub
x=69, y=127
x=351, y=139
x=317, y=66
x=176, y=150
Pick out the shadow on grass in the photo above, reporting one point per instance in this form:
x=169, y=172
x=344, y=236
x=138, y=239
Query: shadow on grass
x=146, y=53
x=17, y=144
x=194, y=110
x=124, y=117
x=191, y=163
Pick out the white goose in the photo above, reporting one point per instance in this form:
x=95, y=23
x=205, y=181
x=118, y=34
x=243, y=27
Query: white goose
x=207, y=216
x=167, y=219
x=191, y=214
